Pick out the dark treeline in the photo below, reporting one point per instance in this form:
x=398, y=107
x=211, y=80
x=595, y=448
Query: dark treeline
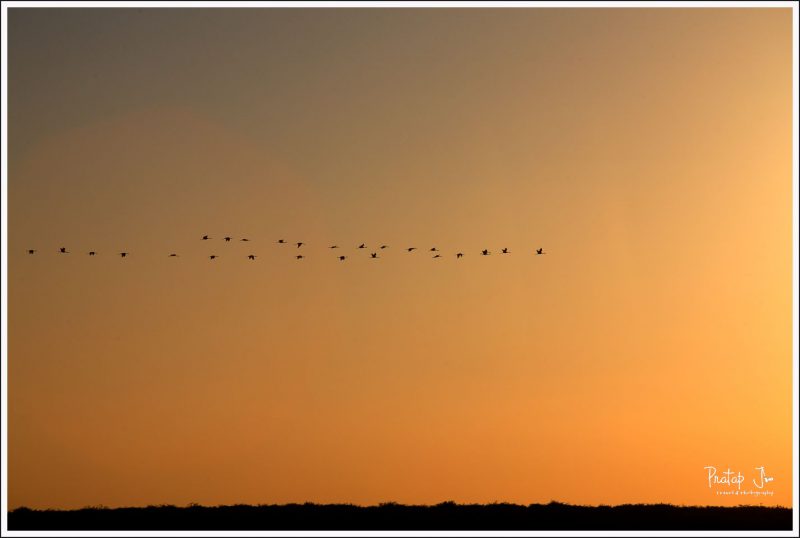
x=391, y=516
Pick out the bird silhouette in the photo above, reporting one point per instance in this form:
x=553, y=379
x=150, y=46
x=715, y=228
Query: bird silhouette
x=373, y=255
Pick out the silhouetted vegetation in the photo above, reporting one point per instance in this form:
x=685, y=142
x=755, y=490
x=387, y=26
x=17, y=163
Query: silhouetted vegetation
x=393, y=516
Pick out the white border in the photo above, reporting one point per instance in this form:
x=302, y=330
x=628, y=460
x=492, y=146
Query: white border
x=403, y=4
x=795, y=278
x=391, y=4
x=4, y=286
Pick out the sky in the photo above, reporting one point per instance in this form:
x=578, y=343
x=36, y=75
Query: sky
x=648, y=151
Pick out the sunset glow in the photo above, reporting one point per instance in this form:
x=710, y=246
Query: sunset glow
x=648, y=151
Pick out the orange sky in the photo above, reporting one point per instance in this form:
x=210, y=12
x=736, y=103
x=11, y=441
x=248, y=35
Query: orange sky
x=647, y=150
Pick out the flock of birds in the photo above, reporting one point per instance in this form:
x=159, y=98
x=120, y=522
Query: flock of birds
x=299, y=244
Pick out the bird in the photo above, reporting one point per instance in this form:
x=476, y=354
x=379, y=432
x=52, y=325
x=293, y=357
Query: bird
x=31, y=251
x=539, y=251
x=505, y=251
x=485, y=252
x=459, y=255
x=373, y=255
x=213, y=256
x=299, y=256
x=300, y=245
x=123, y=254
x=334, y=246
x=63, y=250
x=384, y=246
x=342, y=258
x=437, y=256
x=244, y=239
x=409, y=249
x=251, y=257
x=434, y=249
x=206, y=238
x=227, y=239
x=362, y=245
x=173, y=255
x=281, y=241
x=92, y=253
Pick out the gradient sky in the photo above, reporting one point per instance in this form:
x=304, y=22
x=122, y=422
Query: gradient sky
x=647, y=150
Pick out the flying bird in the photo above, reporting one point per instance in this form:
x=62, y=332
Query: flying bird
x=342, y=258
x=459, y=255
x=31, y=250
x=206, y=238
x=539, y=251
x=300, y=245
x=213, y=256
x=374, y=255
x=505, y=251
x=362, y=245
x=123, y=254
x=227, y=239
x=63, y=250
x=485, y=252
x=251, y=257
x=409, y=249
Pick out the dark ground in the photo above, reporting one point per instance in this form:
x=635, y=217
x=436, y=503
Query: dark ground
x=390, y=516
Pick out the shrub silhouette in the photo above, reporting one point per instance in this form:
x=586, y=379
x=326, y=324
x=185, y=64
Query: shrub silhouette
x=392, y=516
